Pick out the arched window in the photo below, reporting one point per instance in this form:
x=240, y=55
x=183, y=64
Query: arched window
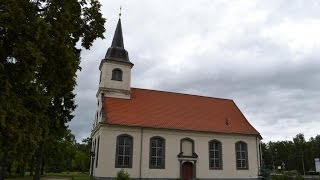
x=157, y=153
x=242, y=155
x=124, y=151
x=215, y=154
x=116, y=74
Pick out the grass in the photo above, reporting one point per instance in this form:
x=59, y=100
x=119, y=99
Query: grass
x=71, y=175
x=63, y=175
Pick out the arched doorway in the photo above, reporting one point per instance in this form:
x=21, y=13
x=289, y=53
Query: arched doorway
x=187, y=171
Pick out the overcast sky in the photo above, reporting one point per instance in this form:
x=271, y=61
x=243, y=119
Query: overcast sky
x=265, y=55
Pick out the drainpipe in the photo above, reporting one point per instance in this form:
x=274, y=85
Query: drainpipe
x=258, y=155
x=141, y=153
x=261, y=155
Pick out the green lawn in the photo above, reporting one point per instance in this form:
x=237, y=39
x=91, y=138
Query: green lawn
x=71, y=176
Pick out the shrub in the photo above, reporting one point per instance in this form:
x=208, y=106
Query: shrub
x=291, y=173
x=264, y=174
x=123, y=175
x=280, y=177
x=313, y=173
x=299, y=177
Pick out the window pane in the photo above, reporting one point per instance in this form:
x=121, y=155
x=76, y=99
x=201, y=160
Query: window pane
x=216, y=146
x=159, y=152
x=216, y=154
x=217, y=163
x=121, y=141
x=153, y=161
x=126, y=160
x=153, y=143
x=243, y=146
x=120, y=150
x=212, y=164
x=243, y=155
x=158, y=162
x=126, y=141
x=127, y=151
x=239, y=163
x=153, y=152
x=120, y=160
x=159, y=142
x=238, y=155
x=244, y=163
x=211, y=146
x=211, y=154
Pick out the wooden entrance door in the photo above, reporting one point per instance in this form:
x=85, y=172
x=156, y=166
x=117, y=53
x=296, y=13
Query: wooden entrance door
x=187, y=171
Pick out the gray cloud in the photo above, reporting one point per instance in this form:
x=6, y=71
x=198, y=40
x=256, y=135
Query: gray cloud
x=263, y=55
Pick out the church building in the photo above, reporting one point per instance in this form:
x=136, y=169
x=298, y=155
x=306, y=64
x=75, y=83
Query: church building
x=154, y=134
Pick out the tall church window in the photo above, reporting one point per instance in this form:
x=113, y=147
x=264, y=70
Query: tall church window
x=124, y=151
x=242, y=155
x=215, y=154
x=157, y=153
x=116, y=74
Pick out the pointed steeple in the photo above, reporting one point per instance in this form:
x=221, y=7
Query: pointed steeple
x=117, y=51
x=117, y=38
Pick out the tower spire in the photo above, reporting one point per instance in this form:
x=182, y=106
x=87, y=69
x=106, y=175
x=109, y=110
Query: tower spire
x=118, y=38
x=115, y=69
x=117, y=51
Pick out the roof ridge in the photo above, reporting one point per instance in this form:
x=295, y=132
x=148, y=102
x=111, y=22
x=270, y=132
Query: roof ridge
x=185, y=94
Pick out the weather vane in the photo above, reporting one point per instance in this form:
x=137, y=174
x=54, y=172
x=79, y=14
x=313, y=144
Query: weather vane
x=120, y=12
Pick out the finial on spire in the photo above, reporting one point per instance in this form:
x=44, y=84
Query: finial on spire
x=120, y=12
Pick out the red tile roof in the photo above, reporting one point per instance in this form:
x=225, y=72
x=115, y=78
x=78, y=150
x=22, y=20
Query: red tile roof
x=159, y=109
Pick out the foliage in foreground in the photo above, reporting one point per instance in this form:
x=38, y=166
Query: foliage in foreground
x=70, y=175
x=287, y=177
x=123, y=175
x=39, y=58
x=264, y=173
x=296, y=155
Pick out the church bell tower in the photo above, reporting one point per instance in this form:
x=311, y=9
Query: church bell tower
x=115, y=69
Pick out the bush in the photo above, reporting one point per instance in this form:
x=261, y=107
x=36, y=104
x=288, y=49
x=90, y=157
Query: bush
x=299, y=177
x=123, y=175
x=280, y=177
x=313, y=173
x=264, y=174
x=291, y=173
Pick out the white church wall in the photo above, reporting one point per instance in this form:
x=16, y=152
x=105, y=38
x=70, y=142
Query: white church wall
x=106, y=166
x=107, y=157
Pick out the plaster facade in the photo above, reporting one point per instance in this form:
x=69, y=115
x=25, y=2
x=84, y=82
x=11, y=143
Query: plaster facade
x=141, y=142
x=112, y=88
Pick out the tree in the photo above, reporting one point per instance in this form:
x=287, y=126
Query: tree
x=60, y=153
x=82, y=158
x=38, y=63
x=300, y=147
